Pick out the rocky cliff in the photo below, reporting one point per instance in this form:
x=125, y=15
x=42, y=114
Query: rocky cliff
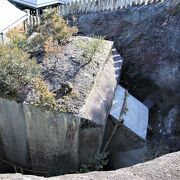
x=148, y=38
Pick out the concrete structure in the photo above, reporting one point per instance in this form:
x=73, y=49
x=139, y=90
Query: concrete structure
x=126, y=130
x=10, y=17
x=50, y=143
x=127, y=124
x=136, y=114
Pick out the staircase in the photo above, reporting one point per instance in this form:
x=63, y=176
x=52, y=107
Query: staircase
x=86, y=6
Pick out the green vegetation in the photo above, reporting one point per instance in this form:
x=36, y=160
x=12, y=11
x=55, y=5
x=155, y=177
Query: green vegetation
x=45, y=98
x=90, y=48
x=96, y=164
x=19, y=70
x=55, y=26
x=52, y=26
x=18, y=38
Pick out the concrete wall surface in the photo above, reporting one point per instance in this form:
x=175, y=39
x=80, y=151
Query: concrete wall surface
x=57, y=142
x=37, y=139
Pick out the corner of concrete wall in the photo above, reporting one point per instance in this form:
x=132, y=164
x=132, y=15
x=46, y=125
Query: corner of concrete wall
x=38, y=139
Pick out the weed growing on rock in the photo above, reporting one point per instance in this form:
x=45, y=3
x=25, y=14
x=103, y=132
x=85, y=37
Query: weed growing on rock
x=44, y=98
x=18, y=72
x=96, y=164
x=90, y=48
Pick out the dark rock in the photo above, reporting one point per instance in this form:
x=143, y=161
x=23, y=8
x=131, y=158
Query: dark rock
x=147, y=36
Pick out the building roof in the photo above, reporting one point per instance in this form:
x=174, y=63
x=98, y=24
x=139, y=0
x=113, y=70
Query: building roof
x=37, y=3
x=10, y=16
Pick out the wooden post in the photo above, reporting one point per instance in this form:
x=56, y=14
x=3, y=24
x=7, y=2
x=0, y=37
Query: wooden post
x=61, y=10
x=146, y=2
x=84, y=4
x=120, y=4
x=2, y=39
x=88, y=6
x=76, y=7
x=68, y=8
x=100, y=5
x=71, y=7
x=24, y=25
x=80, y=7
x=28, y=13
x=37, y=16
x=93, y=7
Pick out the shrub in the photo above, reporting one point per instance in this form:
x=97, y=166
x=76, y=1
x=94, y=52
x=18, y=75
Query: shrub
x=35, y=44
x=96, y=164
x=90, y=48
x=53, y=30
x=54, y=25
x=17, y=37
x=16, y=70
x=44, y=97
x=50, y=47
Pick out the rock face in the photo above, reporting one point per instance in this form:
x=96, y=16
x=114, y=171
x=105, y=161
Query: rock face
x=147, y=36
x=164, y=168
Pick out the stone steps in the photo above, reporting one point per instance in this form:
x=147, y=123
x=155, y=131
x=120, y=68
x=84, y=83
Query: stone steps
x=118, y=62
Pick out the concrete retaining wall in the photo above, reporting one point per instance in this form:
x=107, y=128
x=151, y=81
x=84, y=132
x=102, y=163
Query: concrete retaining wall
x=39, y=139
x=55, y=142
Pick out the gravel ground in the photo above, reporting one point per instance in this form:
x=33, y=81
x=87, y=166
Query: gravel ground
x=69, y=75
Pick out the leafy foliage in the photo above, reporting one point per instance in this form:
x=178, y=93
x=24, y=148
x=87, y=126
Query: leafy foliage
x=90, y=48
x=44, y=97
x=17, y=37
x=19, y=72
x=35, y=45
x=50, y=47
x=16, y=70
x=54, y=25
x=95, y=164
